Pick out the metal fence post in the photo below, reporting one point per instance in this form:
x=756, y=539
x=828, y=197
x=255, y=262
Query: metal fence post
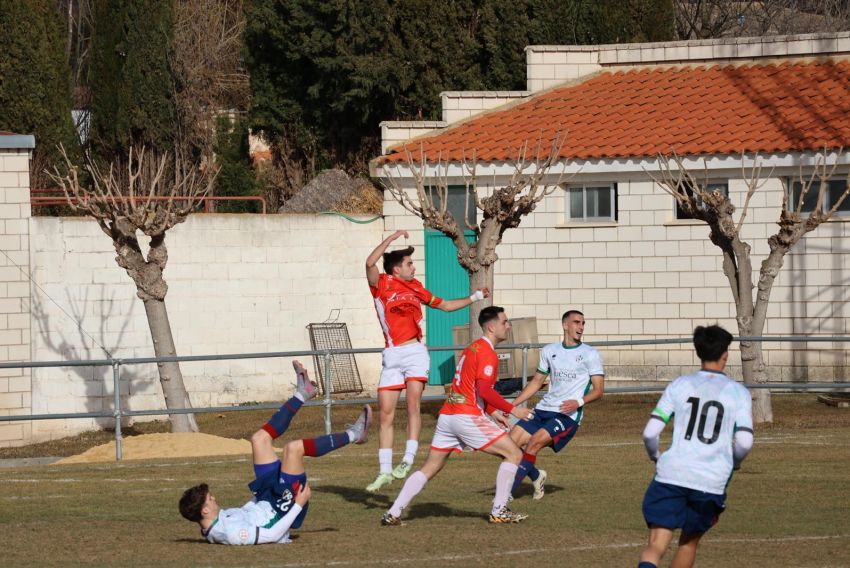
x=524, y=368
x=327, y=393
x=116, y=382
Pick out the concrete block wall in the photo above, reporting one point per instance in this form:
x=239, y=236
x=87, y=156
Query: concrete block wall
x=399, y=131
x=649, y=276
x=237, y=284
x=14, y=292
x=551, y=65
x=460, y=105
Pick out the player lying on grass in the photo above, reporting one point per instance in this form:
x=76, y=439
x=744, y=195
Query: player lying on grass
x=463, y=422
x=280, y=489
x=709, y=411
x=576, y=378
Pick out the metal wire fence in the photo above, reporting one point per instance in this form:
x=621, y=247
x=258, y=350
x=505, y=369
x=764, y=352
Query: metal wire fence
x=326, y=357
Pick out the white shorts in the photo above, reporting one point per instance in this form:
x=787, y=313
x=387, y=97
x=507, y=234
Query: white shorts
x=455, y=431
x=404, y=363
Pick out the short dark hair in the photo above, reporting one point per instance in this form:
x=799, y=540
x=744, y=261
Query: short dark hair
x=489, y=314
x=394, y=258
x=711, y=342
x=192, y=502
x=568, y=313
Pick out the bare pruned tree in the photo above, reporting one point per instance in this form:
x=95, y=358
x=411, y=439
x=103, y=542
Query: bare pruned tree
x=704, y=19
x=147, y=192
x=502, y=207
x=716, y=209
x=207, y=58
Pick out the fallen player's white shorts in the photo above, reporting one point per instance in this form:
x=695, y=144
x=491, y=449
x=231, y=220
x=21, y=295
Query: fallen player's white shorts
x=455, y=431
x=404, y=363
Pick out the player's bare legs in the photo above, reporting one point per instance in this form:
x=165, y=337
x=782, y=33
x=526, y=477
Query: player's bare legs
x=387, y=401
x=413, y=399
x=686, y=554
x=293, y=457
x=434, y=463
x=261, y=447
x=659, y=540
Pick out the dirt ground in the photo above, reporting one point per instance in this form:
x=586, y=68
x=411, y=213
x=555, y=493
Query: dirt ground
x=163, y=446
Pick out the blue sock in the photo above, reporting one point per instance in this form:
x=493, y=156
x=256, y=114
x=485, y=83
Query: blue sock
x=646, y=564
x=525, y=467
x=315, y=447
x=280, y=420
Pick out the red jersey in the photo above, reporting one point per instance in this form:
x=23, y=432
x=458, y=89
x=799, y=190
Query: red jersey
x=398, y=303
x=478, y=362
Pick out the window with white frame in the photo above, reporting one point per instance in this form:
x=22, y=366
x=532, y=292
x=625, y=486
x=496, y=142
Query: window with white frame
x=835, y=188
x=591, y=202
x=721, y=186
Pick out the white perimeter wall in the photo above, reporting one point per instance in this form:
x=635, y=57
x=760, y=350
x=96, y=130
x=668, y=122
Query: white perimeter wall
x=237, y=284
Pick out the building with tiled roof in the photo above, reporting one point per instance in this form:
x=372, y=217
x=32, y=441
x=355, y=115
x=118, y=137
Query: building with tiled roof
x=613, y=244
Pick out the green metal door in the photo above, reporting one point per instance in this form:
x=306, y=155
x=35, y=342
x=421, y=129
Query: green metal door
x=445, y=278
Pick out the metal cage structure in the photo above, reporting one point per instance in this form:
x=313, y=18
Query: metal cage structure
x=344, y=375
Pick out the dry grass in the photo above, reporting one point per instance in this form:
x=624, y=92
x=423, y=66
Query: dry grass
x=787, y=507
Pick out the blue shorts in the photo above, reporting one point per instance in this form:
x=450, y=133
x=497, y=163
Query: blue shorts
x=278, y=488
x=560, y=427
x=675, y=507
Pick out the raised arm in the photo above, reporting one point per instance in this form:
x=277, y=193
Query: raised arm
x=372, y=260
x=460, y=303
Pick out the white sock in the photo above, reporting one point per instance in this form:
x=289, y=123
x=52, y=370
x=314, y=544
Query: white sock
x=504, y=481
x=385, y=460
x=414, y=484
x=299, y=396
x=410, y=450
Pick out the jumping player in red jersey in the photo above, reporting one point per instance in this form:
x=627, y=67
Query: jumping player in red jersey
x=464, y=422
x=398, y=300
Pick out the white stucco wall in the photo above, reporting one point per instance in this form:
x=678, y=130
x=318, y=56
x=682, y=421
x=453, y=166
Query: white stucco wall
x=237, y=284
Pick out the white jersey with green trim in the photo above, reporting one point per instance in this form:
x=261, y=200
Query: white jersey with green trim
x=707, y=408
x=256, y=522
x=569, y=370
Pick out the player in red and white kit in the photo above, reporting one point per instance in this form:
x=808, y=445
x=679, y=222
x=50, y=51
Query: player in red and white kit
x=398, y=300
x=464, y=421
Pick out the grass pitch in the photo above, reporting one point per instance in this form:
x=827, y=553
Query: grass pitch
x=787, y=506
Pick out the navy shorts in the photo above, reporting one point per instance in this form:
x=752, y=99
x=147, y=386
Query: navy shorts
x=561, y=427
x=278, y=488
x=675, y=507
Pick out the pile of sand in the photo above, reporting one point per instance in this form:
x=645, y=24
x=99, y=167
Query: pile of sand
x=153, y=446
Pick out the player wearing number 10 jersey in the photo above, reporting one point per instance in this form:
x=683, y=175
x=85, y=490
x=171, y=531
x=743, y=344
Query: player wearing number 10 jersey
x=709, y=411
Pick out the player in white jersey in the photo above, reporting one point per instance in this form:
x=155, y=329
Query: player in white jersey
x=710, y=411
x=576, y=378
x=280, y=489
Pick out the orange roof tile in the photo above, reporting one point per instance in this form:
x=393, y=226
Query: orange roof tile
x=643, y=112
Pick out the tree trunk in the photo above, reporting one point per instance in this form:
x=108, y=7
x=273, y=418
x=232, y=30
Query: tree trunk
x=170, y=376
x=482, y=278
x=755, y=371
